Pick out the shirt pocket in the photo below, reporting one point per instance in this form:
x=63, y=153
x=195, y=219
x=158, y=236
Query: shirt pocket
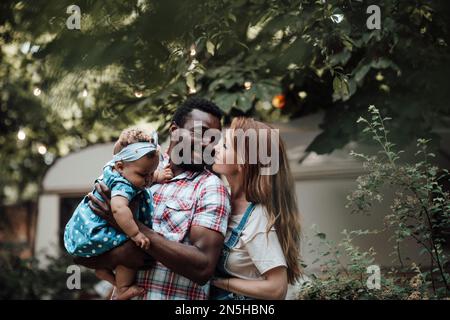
x=176, y=219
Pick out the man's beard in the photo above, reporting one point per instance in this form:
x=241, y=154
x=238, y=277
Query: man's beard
x=195, y=167
x=192, y=167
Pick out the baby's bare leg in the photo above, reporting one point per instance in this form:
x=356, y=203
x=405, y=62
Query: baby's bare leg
x=125, y=278
x=107, y=275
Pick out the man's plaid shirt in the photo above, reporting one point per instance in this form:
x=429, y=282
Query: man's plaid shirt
x=189, y=199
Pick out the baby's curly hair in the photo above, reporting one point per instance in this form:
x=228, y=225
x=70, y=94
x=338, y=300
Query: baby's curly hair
x=130, y=136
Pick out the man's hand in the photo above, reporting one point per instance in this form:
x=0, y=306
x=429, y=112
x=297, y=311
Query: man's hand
x=103, y=208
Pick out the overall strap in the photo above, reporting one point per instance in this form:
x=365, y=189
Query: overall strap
x=236, y=232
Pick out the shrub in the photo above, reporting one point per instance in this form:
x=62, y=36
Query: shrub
x=420, y=211
x=25, y=279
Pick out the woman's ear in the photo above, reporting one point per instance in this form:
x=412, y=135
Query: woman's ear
x=119, y=166
x=173, y=127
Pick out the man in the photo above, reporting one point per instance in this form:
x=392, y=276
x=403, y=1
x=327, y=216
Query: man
x=189, y=221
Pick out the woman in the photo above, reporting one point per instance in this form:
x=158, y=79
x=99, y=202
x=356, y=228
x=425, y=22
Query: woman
x=262, y=246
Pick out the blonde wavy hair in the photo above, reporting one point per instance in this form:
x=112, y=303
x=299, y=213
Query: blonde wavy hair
x=275, y=192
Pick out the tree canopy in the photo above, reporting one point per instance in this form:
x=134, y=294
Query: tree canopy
x=136, y=60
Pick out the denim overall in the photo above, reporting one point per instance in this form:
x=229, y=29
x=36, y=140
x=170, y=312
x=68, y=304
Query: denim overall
x=218, y=293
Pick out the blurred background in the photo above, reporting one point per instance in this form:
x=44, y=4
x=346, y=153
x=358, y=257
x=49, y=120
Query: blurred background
x=311, y=68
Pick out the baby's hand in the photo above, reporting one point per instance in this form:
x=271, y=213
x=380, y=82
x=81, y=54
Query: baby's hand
x=164, y=174
x=141, y=241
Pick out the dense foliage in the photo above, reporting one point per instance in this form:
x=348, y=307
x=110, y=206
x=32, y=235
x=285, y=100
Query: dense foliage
x=136, y=60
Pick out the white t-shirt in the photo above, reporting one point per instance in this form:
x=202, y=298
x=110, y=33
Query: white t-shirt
x=256, y=251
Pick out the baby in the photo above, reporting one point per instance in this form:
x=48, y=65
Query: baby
x=133, y=168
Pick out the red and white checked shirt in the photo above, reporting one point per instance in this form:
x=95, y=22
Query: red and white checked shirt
x=189, y=199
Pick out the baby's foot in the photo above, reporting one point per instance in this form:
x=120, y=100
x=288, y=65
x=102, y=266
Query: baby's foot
x=126, y=293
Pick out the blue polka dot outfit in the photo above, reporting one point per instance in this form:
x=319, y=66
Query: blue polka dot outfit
x=88, y=235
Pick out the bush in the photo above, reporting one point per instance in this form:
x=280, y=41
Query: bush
x=420, y=211
x=24, y=279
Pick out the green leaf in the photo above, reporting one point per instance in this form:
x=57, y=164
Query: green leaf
x=361, y=72
x=337, y=84
x=232, y=17
x=225, y=101
x=341, y=58
x=210, y=47
x=190, y=81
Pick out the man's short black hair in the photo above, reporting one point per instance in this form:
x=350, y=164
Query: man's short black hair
x=195, y=103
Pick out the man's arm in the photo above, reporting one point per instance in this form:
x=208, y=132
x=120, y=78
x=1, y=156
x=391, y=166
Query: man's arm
x=196, y=262
x=128, y=255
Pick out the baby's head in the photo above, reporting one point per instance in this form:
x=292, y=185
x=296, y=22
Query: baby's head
x=136, y=156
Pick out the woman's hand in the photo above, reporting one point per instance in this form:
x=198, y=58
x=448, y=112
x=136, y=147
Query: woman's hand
x=272, y=287
x=222, y=283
